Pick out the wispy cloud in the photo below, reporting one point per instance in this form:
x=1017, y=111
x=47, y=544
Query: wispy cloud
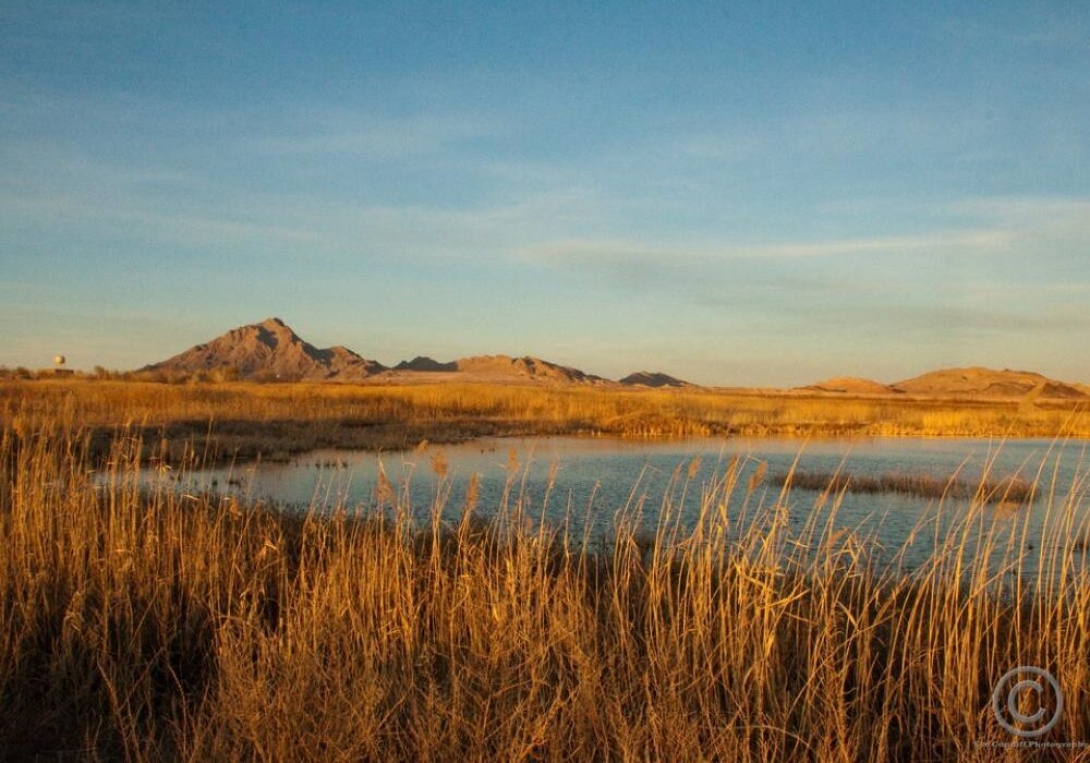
x=373, y=136
x=168, y=203
x=1028, y=212
x=991, y=226
x=153, y=224
x=1000, y=285
x=1052, y=26
x=965, y=242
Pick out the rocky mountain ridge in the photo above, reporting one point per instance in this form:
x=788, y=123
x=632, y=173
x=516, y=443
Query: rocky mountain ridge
x=271, y=350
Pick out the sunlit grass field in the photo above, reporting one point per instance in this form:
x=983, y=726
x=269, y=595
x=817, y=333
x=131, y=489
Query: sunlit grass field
x=161, y=625
x=272, y=420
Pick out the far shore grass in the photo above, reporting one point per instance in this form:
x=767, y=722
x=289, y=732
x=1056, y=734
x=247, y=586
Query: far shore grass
x=248, y=421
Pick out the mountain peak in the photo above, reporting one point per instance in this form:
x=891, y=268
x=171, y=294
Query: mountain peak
x=424, y=363
x=270, y=350
x=653, y=379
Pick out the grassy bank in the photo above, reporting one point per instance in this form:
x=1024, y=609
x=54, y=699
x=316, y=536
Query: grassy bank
x=169, y=626
x=272, y=421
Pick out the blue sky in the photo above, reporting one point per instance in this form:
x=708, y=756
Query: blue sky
x=738, y=194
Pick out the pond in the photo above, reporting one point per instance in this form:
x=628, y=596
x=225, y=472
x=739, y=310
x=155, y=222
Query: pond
x=587, y=485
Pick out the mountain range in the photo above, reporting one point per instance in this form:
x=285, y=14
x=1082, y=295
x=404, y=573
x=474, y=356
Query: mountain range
x=974, y=381
x=271, y=350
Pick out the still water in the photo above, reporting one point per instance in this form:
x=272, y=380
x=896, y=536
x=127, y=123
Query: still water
x=585, y=484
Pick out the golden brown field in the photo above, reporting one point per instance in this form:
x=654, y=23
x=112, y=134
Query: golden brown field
x=149, y=626
x=273, y=420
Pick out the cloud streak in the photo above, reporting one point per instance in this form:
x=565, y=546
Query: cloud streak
x=963, y=242
x=373, y=138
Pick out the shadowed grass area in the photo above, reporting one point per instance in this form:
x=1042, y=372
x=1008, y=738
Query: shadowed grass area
x=150, y=624
x=1011, y=490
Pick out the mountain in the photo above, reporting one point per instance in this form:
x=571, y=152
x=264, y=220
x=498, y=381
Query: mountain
x=653, y=379
x=987, y=382
x=421, y=363
x=851, y=385
x=974, y=382
x=488, y=368
x=270, y=350
x=526, y=368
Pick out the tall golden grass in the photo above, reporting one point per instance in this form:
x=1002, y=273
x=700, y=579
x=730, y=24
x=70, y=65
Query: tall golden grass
x=253, y=420
x=145, y=624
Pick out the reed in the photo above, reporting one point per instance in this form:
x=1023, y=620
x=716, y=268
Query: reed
x=276, y=420
x=143, y=623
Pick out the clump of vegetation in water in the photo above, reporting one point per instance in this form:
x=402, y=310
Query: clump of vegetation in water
x=1010, y=490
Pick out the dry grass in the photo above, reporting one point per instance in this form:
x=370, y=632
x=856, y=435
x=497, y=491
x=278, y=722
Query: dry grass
x=1010, y=490
x=165, y=626
x=270, y=421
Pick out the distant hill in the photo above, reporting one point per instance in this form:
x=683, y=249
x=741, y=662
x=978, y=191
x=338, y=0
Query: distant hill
x=852, y=385
x=653, y=379
x=420, y=363
x=974, y=382
x=526, y=368
x=270, y=350
x=986, y=382
x=491, y=368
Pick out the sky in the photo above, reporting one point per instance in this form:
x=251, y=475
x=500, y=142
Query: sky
x=744, y=193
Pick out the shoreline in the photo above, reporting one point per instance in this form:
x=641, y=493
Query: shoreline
x=243, y=422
